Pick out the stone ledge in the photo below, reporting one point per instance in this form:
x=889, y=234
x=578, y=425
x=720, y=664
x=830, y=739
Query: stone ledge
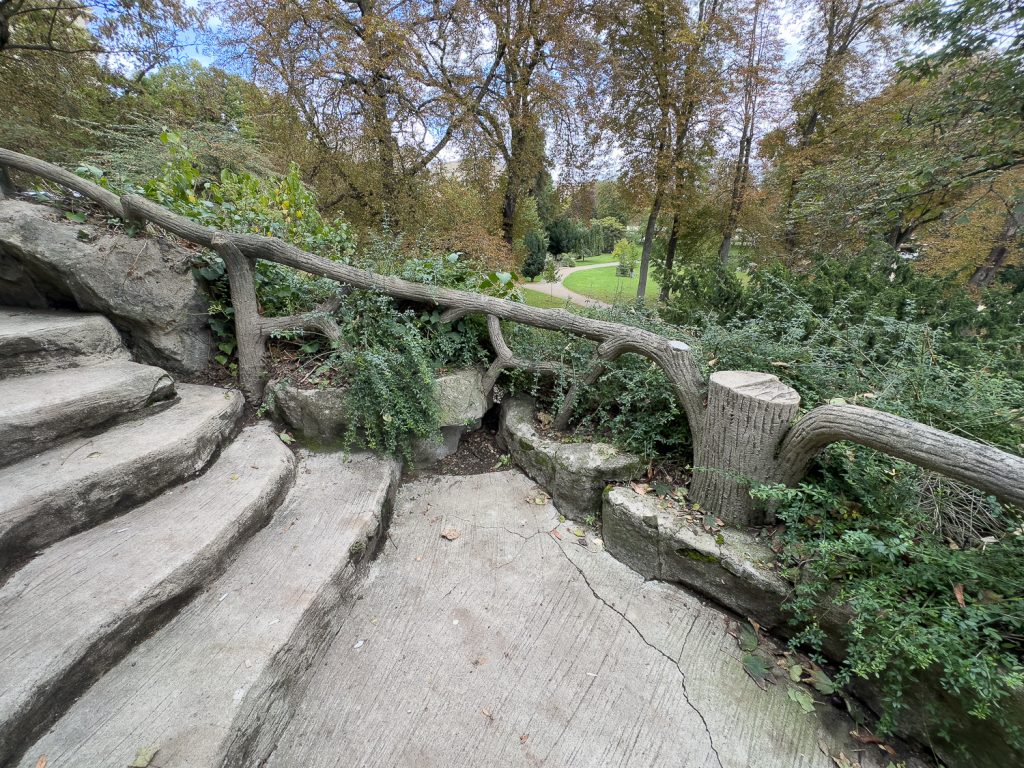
x=575, y=474
x=732, y=568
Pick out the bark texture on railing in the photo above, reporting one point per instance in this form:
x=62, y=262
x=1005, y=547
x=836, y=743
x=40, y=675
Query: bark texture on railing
x=741, y=421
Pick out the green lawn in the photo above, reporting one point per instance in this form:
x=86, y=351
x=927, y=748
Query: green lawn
x=604, y=258
x=604, y=285
x=543, y=300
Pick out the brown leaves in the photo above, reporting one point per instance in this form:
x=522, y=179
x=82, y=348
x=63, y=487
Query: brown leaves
x=958, y=590
x=450, y=533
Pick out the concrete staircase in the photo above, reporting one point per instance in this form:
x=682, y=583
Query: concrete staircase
x=165, y=574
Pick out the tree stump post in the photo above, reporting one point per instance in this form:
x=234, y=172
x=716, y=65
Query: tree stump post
x=7, y=188
x=747, y=415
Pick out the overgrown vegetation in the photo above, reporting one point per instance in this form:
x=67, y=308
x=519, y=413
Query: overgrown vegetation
x=852, y=226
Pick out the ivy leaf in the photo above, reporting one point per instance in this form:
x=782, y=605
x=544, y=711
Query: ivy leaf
x=796, y=672
x=78, y=218
x=748, y=638
x=822, y=683
x=803, y=698
x=286, y=438
x=758, y=670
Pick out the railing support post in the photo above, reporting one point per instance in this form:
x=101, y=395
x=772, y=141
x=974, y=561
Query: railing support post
x=7, y=188
x=248, y=331
x=747, y=415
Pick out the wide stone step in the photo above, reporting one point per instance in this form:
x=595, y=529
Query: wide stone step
x=73, y=611
x=88, y=479
x=215, y=686
x=37, y=340
x=37, y=411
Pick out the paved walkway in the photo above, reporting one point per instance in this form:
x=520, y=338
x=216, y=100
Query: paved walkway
x=486, y=635
x=559, y=291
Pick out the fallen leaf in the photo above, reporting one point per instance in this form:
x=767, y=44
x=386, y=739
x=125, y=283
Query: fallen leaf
x=523, y=738
x=41, y=762
x=578, y=533
x=822, y=683
x=450, y=533
x=640, y=488
x=958, y=590
x=143, y=757
x=758, y=670
x=803, y=698
x=842, y=761
x=795, y=673
x=870, y=738
x=748, y=638
x=480, y=662
x=234, y=476
x=556, y=533
x=286, y=438
x=487, y=713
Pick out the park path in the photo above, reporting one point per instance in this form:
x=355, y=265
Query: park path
x=489, y=633
x=559, y=291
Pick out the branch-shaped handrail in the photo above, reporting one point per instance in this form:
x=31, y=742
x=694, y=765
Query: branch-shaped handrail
x=984, y=467
x=742, y=432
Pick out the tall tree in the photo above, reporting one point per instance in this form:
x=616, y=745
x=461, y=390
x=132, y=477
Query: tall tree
x=383, y=87
x=645, y=54
x=140, y=33
x=540, y=99
x=756, y=76
x=843, y=41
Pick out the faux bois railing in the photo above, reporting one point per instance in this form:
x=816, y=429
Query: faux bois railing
x=745, y=424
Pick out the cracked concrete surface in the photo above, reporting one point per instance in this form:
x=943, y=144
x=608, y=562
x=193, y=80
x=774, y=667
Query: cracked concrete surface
x=510, y=646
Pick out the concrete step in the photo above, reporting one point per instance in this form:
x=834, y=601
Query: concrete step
x=38, y=340
x=88, y=479
x=216, y=685
x=38, y=411
x=73, y=611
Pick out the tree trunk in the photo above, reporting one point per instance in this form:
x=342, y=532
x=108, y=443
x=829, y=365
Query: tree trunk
x=739, y=183
x=747, y=415
x=645, y=255
x=986, y=273
x=670, y=255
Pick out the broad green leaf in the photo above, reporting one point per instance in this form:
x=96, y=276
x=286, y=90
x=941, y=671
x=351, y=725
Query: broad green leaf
x=747, y=638
x=803, y=698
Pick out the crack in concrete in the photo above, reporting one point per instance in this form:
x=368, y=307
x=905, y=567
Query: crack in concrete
x=648, y=643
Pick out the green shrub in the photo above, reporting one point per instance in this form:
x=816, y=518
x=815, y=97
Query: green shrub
x=922, y=606
x=536, y=253
x=628, y=254
x=564, y=236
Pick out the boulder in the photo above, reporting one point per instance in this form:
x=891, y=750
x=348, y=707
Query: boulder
x=316, y=414
x=321, y=414
x=575, y=474
x=460, y=398
x=143, y=285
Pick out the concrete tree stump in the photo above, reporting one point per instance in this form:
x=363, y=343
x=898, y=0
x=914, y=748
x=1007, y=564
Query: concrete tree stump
x=747, y=415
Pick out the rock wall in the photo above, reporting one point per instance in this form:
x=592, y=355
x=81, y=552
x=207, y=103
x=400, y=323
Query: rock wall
x=143, y=285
